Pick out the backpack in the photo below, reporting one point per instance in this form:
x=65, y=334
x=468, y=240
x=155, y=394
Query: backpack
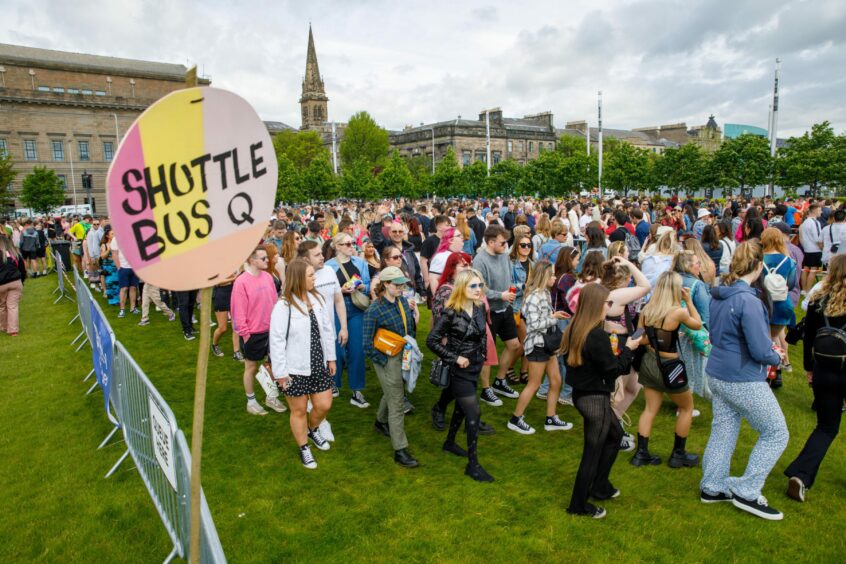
x=830, y=343
x=775, y=283
x=550, y=252
x=633, y=245
x=728, y=253
x=29, y=241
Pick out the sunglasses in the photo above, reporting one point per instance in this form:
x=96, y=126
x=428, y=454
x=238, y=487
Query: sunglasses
x=400, y=232
x=347, y=244
x=395, y=257
x=264, y=258
x=475, y=286
x=525, y=245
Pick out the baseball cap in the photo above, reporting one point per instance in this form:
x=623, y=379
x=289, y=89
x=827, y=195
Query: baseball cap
x=393, y=274
x=781, y=226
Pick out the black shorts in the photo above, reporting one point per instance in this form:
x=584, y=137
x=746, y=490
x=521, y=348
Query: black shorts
x=538, y=354
x=221, y=297
x=503, y=325
x=257, y=347
x=29, y=255
x=41, y=253
x=812, y=260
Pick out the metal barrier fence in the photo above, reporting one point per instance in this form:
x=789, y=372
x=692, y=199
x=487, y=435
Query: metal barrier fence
x=152, y=436
x=60, y=272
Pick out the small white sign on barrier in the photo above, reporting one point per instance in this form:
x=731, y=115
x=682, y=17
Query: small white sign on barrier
x=162, y=437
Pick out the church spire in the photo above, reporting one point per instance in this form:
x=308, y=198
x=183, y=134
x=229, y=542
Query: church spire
x=313, y=101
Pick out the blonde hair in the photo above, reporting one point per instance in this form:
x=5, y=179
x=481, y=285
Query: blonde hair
x=462, y=226
x=617, y=249
x=707, y=267
x=666, y=297
x=543, y=225
x=745, y=260
x=340, y=238
x=833, y=288
x=457, y=299
x=667, y=244
x=615, y=274
x=773, y=241
x=521, y=231
x=538, y=279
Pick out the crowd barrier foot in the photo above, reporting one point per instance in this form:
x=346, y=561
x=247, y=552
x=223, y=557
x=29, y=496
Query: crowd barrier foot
x=111, y=434
x=171, y=556
x=82, y=344
x=78, y=337
x=89, y=375
x=92, y=388
x=118, y=463
x=75, y=317
x=56, y=290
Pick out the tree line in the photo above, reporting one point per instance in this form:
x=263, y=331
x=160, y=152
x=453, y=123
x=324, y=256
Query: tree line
x=368, y=169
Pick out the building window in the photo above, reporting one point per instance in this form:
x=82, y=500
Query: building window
x=481, y=156
x=73, y=90
x=58, y=90
x=510, y=145
x=531, y=146
x=30, y=153
x=520, y=146
x=465, y=157
x=100, y=93
x=108, y=151
x=497, y=156
x=551, y=145
x=44, y=89
x=3, y=151
x=58, y=150
x=63, y=179
x=83, y=151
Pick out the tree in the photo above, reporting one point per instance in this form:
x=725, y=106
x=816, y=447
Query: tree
x=301, y=147
x=447, y=180
x=7, y=176
x=42, y=190
x=813, y=160
x=396, y=180
x=318, y=181
x=474, y=178
x=627, y=168
x=364, y=139
x=543, y=175
x=420, y=167
x=505, y=178
x=288, y=187
x=742, y=162
x=357, y=181
x=681, y=169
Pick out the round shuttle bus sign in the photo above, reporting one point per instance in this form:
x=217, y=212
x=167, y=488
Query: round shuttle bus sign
x=191, y=187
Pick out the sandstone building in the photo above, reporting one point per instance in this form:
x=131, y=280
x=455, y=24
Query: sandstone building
x=68, y=111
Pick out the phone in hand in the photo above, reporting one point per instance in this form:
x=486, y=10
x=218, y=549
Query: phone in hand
x=637, y=334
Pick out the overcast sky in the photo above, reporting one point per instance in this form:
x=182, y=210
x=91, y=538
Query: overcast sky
x=656, y=61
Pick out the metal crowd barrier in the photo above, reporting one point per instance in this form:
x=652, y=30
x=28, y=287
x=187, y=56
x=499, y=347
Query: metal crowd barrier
x=60, y=271
x=153, y=440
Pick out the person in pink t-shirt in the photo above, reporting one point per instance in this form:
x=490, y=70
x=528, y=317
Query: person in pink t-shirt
x=253, y=298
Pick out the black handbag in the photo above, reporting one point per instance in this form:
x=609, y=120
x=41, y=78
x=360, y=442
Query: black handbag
x=795, y=333
x=673, y=371
x=439, y=374
x=552, y=340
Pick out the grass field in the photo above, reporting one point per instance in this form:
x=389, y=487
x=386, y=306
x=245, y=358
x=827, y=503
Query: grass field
x=358, y=505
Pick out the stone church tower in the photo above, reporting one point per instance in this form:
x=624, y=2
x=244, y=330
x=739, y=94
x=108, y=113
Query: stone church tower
x=313, y=101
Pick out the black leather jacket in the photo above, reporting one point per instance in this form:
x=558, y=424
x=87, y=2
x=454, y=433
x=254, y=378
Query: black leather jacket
x=465, y=336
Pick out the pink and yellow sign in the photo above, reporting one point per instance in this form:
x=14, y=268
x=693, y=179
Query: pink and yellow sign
x=191, y=187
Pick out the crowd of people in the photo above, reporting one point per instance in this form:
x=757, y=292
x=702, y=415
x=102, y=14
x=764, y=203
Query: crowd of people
x=592, y=301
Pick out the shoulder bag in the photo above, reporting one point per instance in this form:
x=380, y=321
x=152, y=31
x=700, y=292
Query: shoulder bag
x=700, y=339
x=387, y=342
x=672, y=370
x=359, y=299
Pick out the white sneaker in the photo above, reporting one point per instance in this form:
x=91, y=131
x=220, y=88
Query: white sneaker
x=490, y=398
x=540, y=395
x=318, y=439
x=555, y=424
x=254, y=408
x=627, y=443
x=325, y=429
x=307, y=458
x=696, y=413
x=565, y=401
x=519, y=425
x=275, y=405
x=358, y=400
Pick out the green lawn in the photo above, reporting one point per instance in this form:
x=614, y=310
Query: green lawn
x=358, y=505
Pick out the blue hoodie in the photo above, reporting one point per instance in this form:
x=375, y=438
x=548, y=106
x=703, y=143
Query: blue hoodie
x=740, y=333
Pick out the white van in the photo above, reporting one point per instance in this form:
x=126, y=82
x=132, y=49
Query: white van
x=79, y=209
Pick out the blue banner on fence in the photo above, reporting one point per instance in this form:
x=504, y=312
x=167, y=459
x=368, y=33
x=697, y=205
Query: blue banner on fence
x=102, y=348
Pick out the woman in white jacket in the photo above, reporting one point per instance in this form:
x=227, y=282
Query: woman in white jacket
x=302, y=354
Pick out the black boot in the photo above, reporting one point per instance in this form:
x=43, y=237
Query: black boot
x=642, y=456
x=485, y=429
x=438, y=422
x=403, y=458
x=680, y=457
x=382, y=428
x=474, y=469
x=454, y=426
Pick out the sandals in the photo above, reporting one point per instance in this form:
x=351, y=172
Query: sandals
x=524, y=377
x=510, y=377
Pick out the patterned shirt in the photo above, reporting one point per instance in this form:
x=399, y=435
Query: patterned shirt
x=537, y=311
x=386, y=315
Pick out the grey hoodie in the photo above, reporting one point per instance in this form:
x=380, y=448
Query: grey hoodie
x=740, y=334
